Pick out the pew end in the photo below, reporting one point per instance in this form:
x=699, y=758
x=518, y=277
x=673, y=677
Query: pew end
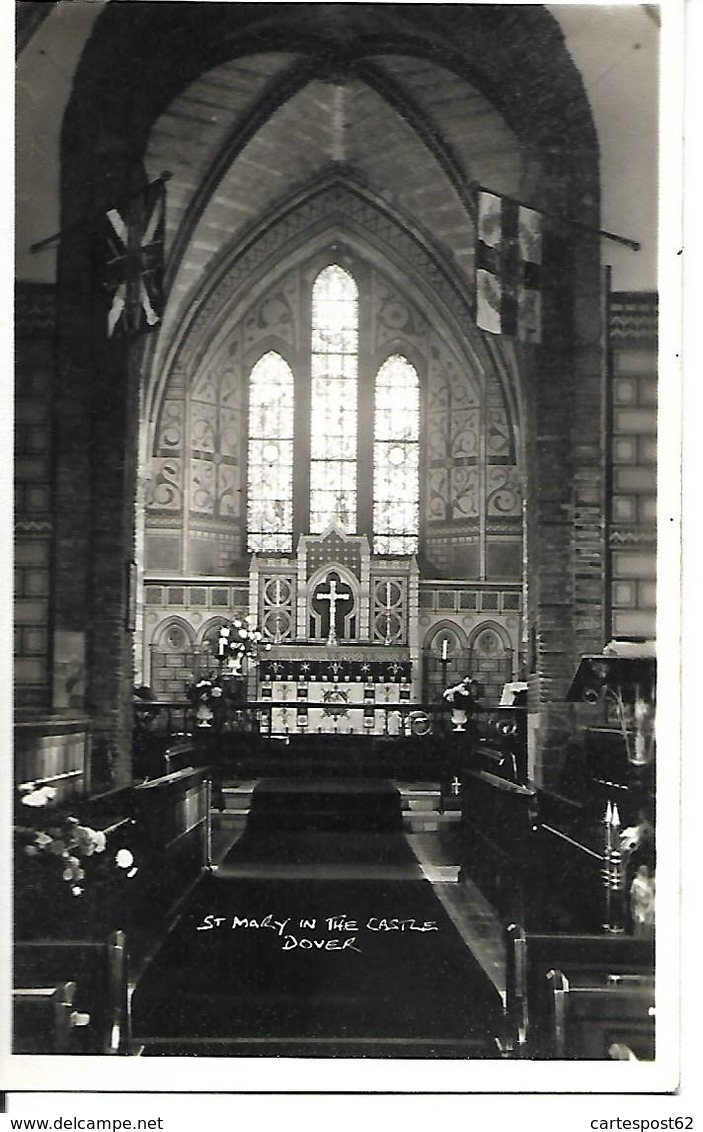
x=612, y=962
x=611, y=1017
x=70, y=996
x=45, y=1019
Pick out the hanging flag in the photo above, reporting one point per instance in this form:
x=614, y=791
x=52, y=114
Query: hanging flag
x=508, y=267
x=134, y=261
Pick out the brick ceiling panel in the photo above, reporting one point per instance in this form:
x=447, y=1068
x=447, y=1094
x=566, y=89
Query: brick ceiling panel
x=193, y=129
x=485, y=148
x=246, y=135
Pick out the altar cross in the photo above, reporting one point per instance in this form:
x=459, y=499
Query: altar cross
x=333, y=597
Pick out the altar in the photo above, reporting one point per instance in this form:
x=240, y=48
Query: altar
x=342, y=626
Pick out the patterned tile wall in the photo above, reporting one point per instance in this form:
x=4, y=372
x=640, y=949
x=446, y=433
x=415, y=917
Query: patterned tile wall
x=633, y=334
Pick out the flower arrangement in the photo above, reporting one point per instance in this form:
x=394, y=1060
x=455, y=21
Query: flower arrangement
x=239, y=638
x=636, y=721
x=60, y=836
x=216, y=691
x=205, y=695
x=206, y=691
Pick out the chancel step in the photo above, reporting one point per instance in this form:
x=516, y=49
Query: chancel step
x=422, y=804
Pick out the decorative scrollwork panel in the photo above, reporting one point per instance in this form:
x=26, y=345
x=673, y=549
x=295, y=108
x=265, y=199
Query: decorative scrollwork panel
x=390, y=610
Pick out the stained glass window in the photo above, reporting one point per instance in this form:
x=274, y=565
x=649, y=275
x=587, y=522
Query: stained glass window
x=333, y=394
x=335, y=447
x=396, y=458
x=270, y=498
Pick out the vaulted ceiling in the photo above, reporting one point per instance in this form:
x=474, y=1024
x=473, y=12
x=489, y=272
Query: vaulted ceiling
x=247, y=135
x=257, y=107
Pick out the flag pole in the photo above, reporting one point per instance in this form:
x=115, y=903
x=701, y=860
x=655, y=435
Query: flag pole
x=78, y=224
x=562, y=219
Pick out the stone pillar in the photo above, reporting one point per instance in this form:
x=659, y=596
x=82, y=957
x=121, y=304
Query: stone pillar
x=95, y=427
x=565, y=525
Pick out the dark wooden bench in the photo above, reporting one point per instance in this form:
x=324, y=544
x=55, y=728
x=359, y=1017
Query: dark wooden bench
x=585, y=959
x=44, y=1019
x=597, y=1018
x=70, y=996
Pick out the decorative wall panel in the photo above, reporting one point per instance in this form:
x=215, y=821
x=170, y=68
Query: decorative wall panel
x=633, y=329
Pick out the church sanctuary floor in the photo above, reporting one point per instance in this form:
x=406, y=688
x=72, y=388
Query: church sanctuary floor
x=431, y=828
x=313, y=869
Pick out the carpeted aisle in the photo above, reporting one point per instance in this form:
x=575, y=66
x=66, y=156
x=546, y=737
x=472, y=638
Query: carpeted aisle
x=306, y=965
x=325, y=805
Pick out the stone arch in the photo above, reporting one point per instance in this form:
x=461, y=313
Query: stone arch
x=210, y=627
x=490, y=658
x=439, y=672
x=500, y=51
x=173, y=657
x=325, y=214
x=207, y=636
x=444, y=355
x=178, y=624
x=444, y=628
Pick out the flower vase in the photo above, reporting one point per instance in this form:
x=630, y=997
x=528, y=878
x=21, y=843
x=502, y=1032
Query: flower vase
x=459, y=718
x=203, y=715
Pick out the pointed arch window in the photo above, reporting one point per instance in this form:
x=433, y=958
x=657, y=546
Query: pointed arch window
x=361, y=477
x=396, y=460
x=334, y=396
x=270, y=496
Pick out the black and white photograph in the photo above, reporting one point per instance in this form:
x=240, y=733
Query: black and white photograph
x=343, y=488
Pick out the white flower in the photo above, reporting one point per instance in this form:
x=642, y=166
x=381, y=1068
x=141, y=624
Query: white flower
x=38, y=798
x=124, y=859
x=89, y=840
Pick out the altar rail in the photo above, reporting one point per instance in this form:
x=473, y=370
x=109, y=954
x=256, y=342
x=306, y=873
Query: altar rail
x=493, y=727
x=250, y=736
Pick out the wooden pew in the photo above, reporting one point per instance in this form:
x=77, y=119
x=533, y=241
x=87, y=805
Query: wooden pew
x=588, y=958
x=70, y=996
x=590, y=1019
x=164, y=825
x=44, y=1019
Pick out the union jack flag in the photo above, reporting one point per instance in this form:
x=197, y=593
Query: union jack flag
x=134, y=262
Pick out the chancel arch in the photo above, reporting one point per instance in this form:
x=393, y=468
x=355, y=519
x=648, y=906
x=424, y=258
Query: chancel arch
x=195, y=524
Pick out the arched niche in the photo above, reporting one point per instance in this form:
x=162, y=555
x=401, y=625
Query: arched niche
x=490, y=658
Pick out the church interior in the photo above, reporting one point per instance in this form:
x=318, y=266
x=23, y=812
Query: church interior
x=335, y=531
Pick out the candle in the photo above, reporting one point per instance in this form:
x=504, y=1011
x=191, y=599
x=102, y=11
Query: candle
x=444, y=648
